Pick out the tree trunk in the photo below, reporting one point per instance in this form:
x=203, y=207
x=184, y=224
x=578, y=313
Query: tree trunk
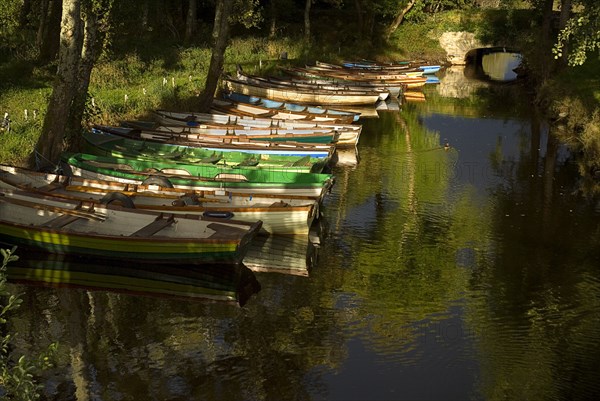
x=399, y=18
x=190, y=22
x=547, y=21
x=359, y=18
x=145, y=14
x=547, y=40
x=220, y=36
x=273, y=27
x=307, y=21
x=50, y=143
x=43, y=25
x=48, y=35
x=92, y=47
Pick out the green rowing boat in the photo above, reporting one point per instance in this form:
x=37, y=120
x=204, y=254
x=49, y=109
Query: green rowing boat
x=104, y=143
x=197, y=177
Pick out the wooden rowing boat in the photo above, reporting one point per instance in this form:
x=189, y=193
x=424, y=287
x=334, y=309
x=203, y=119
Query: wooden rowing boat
x=303, y=112
x=314, y=113
x=201, y=177
x=347, y=134
x=279, y=214
x=394, y=89
x=205, y=134
x=54, y=225
x=364, y=74
x=101, y=141
x=327, y=87
x=408, y=82
x=308, y=96
x=262, y=148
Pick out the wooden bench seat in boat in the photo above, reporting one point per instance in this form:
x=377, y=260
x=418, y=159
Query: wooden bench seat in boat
x=160, y=223
x=62, y=221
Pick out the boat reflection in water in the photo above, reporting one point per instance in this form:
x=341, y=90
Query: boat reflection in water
x=288, y=254
x=227, y=283
x=346, y=157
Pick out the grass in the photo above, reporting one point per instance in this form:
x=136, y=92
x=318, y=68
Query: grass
x=142, y=75
x=125, y=85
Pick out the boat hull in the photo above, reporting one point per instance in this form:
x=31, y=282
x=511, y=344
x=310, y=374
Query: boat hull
x=54, y=225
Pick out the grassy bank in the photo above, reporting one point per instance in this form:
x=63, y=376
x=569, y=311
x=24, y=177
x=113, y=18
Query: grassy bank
x=149, y=73
x=124, y=85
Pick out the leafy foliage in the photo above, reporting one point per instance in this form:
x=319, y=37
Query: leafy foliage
x=581, y=35
x=17, y=378
x=9, y=12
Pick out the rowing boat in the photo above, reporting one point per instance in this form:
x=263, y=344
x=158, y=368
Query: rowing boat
x=101, y=141
x=197, y=177
x=322, y=97
x=208, y=134
x=302, y=112
x=227, y=145
x=279, y=214
x=347, y=134
x=54, y=225
x=328, y=87
x=408, y=82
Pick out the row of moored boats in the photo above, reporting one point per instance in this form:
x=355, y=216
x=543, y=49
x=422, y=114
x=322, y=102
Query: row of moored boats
x=196, y=188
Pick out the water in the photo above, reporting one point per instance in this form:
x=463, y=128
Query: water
x=458, y=260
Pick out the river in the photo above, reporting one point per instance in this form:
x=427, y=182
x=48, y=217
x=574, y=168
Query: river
x=459, y=259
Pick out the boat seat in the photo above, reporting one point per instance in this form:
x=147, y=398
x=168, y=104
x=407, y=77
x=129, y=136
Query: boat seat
x=279, y=204
x=49, y=187
x=61, y=221
x=160, y=223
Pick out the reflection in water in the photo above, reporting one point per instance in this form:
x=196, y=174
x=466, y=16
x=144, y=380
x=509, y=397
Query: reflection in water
x=413, y=96
x=454, y=84
x=462, y=273
x=500, y=66
x=210, y=282
x=347, y=157
x=289, y=254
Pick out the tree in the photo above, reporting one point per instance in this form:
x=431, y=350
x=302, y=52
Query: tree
x=307, y=21
x=79, y=37
x=48, y=32
x=190, y=22
x=220, y=37
x=50, y=143
x=405, y=8
x=273, y=15
x=96, y=24
x=581, y=32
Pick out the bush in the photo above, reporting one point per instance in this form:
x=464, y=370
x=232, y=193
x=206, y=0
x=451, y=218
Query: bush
x=17, y=381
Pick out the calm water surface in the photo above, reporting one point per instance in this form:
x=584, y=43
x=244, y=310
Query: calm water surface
x=458, y=261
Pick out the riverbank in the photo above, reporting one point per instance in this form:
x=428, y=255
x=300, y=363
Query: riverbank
x=136, y=78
